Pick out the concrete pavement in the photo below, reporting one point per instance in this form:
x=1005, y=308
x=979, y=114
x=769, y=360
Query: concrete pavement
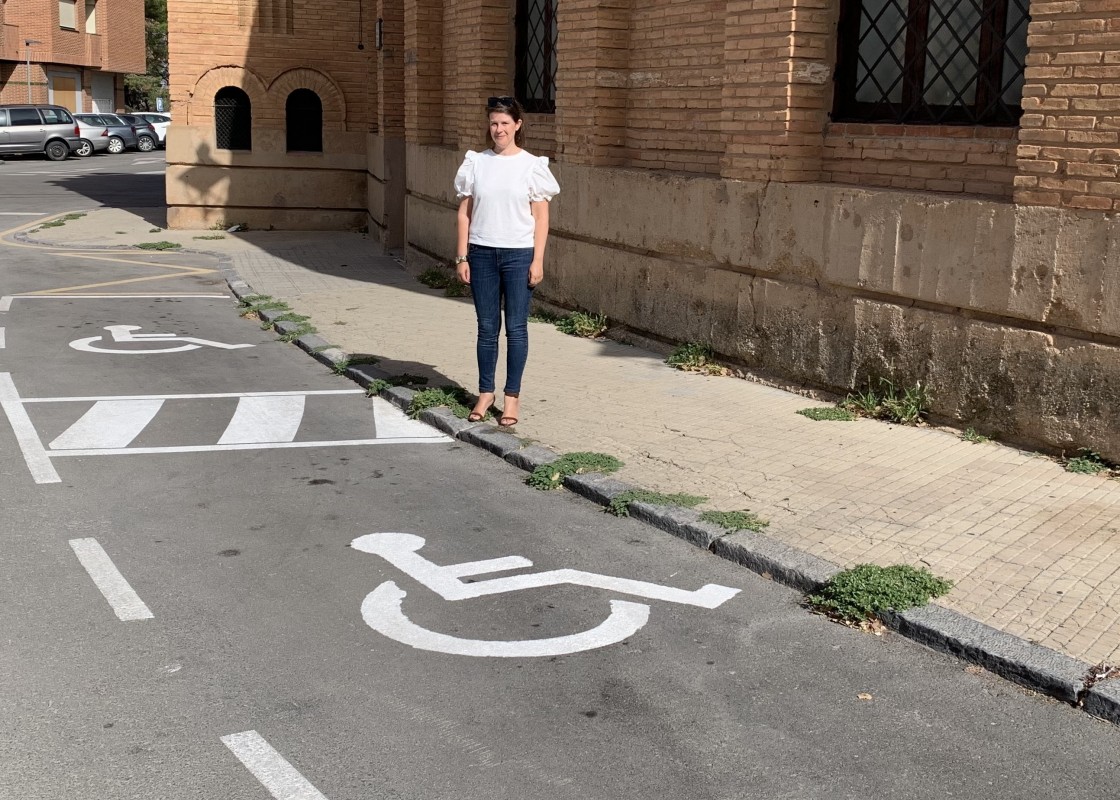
x=1034, y=551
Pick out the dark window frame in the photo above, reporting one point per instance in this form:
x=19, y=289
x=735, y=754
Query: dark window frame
x=535, y=64
x=989, y=83
x=233, y=119
x=306, y=136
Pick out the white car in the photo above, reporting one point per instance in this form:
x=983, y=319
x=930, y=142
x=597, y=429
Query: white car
x=95, y=135
x=161, y=122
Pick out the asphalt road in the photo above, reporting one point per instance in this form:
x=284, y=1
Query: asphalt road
x=225, y=498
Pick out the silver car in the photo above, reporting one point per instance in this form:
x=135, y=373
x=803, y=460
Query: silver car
x=38, y=129
x=95, y=135
x=122, y=136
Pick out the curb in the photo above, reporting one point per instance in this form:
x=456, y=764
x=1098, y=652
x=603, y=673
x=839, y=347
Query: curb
x=1030, y=665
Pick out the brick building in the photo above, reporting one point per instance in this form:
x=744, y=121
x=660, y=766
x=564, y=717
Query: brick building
x=72, y=54
x=826, y=190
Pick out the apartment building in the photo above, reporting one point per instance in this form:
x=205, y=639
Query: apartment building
x=72, y=53
x=828, y=191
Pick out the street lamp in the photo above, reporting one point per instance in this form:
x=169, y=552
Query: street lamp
x=27, y=43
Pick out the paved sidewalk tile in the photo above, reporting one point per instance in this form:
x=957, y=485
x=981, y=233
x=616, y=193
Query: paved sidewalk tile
x=1034, y=550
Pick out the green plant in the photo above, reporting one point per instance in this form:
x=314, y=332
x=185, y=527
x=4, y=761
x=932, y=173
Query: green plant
x=339, y=367
x=157, y=230
x=551, y=476
x=54, y=223
x=695, y=357
x=376, y=386
x=256, y=303
x=454, y=398
x=435, y=278
x=210, y=237
x=971, y=435
x=735, y=520
x=163, y=245
x=541, y=315
x=287, y=316
x=301, y=329
x=1088, y=463
x=620, y=503
x=888, y=402
x=864, y=591
x=359, y=359
x=74, y=216
x=580, y=323
x=828, y=413
x=457, y=289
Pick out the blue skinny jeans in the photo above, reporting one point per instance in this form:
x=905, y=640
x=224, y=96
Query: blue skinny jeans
x=500, y=287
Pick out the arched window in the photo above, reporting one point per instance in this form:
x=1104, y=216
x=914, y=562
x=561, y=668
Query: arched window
x=304, y=117
x=233, y=119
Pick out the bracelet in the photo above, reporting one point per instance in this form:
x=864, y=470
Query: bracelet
x=460, y=260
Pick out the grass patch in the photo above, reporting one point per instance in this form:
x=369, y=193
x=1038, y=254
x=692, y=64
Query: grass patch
x=406, y=380
x=58, y=223
x=551, y=476
x=694, y=357
x=155, y=230
x=457, y=289
x=210, y=236
x=454, y=398
x=301, y=329
x=1087, y=463
x=435, y=278
x=971, y=435
x=861, y=593
x=828, y=414
x=54, y=223
x=620, y=504
x=162, y=245
x=250, y=305
x=74, y=216
x=538, y=314
x=582, y=324
x=735, y=520
x=886, y=401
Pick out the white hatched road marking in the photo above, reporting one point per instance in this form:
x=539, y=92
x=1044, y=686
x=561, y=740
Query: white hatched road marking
x=275, y=773
x=108, y=423
x=3, y=339
x=260, y=421
x=265, y=419
x=126, y=604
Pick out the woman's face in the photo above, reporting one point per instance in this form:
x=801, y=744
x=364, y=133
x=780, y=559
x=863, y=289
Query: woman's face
x=503, y=129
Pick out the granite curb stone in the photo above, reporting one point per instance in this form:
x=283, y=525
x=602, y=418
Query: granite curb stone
x=488, y=438
x=1033, y=666
x=1103, y=701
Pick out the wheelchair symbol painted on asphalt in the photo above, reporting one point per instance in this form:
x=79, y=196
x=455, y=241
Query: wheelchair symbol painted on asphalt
x=125, y=333
x=382, y=610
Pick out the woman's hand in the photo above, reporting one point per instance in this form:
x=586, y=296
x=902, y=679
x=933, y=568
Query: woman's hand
x=536, y=273
x=463, y=271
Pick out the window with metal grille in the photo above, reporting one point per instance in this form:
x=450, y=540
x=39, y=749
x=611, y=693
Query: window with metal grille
x=233, y=119
x=303, y=113
x=535, y=75
x=931, y=61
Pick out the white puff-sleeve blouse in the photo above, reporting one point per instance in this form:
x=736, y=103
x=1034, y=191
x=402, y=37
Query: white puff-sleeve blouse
x=501, y=188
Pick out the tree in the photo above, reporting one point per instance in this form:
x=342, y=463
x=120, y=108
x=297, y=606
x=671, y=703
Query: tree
x=141, y=91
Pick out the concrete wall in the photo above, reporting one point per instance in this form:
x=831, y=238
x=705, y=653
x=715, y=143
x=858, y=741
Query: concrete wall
x=1009, y=314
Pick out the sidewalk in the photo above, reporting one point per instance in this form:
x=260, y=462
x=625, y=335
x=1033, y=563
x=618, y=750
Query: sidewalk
x=1034, y=551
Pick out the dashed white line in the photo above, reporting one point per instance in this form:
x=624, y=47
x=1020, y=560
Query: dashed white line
x=274, y=772
x=126, y=604
x=3, y=341
x=23, y=213
x=205, y=396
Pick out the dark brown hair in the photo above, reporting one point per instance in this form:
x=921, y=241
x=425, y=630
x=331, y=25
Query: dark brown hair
x=507, y=105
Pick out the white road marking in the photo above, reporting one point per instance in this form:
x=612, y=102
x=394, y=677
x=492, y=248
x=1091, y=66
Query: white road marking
x=207, y=396
x=150, y=172
x=124, y=601
x=217, y=448
x=108, y=424
x=282, y=780
x=389, y=422
x=381, y=610
x=22, y=213
x=6, y=301
x=3, y=340
x=127, y=333
x=38, y=461
x=264, y=419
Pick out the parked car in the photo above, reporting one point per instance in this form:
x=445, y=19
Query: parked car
x=95, y=135
x=146, y=137
x=122, y=136
x=38, y=129
x=161, y=122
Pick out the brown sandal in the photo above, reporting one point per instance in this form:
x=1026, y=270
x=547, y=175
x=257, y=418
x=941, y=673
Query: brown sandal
x=476, y=415
x=506, y=421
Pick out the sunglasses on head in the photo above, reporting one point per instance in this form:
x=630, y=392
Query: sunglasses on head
x=505, y=100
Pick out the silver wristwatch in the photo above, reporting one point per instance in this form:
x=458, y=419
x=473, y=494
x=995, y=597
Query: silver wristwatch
x=460, y=260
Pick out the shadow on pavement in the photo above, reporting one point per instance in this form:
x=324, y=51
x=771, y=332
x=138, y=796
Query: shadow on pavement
x=144, y=195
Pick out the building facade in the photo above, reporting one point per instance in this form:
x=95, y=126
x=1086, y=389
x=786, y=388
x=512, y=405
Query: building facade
x=72, y=54
x=833, y=191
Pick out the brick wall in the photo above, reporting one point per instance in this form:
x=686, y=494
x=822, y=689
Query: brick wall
x=1069, y=152
x=940, y=158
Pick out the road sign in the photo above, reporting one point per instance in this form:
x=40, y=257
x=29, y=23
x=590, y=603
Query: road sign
x=125, y=334
x=382, y=610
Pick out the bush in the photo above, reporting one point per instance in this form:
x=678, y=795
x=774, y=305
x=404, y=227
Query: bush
x=864, y=591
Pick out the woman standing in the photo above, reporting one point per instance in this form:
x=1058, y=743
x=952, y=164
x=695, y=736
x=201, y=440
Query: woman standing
x=503, y=225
